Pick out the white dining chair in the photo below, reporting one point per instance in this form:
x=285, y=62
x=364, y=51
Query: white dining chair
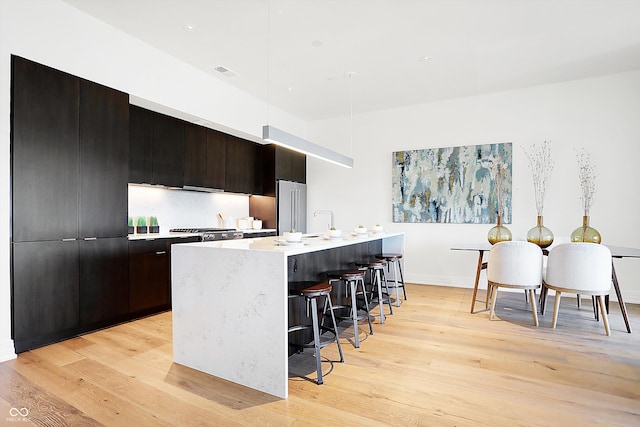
x=515, y=265
x=579, y=268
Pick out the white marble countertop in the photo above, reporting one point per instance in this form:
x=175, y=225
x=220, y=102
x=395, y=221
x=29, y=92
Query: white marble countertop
x=310, y=243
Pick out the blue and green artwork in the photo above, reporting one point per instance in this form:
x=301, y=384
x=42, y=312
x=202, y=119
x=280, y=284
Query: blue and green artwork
x=460, y=185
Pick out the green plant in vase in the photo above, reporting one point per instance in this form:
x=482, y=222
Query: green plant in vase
x=154, y=227
x=141, y=225
x=587, y=176
x=541, y=166
x=499, y=233
x=131, y=228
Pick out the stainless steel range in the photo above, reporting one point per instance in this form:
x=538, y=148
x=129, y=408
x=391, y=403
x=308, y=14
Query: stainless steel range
x=210, y=234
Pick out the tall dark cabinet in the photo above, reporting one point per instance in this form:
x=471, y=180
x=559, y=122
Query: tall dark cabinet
x=44, y=152
x=69, y=173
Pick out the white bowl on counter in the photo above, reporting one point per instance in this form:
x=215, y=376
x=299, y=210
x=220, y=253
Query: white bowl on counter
x=360, y=230
x=378, y=229
x=334, y=233
x=292, y=237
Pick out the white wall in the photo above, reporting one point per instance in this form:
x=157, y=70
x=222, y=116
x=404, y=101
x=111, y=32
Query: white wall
x=599, y=114
x=55, y=34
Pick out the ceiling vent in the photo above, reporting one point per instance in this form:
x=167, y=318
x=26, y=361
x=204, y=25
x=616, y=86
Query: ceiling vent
x=225, y=71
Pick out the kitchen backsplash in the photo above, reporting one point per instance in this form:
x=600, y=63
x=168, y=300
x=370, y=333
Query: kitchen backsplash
x=184, y=209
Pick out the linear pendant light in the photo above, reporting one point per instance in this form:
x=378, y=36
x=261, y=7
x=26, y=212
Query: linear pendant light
x=284, y=139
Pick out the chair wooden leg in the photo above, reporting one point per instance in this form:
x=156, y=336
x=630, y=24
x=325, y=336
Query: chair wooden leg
x=556, y=307
x=534, y=309
x=603, y=311
x=493, y=290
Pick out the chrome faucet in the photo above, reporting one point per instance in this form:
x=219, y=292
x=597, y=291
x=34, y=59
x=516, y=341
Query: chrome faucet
x=325, y=212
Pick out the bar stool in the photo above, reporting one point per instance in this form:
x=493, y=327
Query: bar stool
x=376, y=271
x=311, y=294
x=398, y=278
x=354, y=279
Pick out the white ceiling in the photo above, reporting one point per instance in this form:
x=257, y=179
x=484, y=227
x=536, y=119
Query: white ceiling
x=474, y=46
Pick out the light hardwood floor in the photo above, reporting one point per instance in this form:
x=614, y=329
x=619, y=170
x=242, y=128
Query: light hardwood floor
x=432, y=363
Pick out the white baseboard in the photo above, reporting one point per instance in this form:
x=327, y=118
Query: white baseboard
x=7, y=351
x=630, y=296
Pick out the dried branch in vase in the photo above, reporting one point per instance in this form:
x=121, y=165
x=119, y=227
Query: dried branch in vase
x=541, y=165
x=497, y=169
x=587, y=176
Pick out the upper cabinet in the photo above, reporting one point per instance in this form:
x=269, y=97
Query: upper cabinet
x=168, y=150
x=140, y=145
x=282, y=164
x=69, y=156
x=104, y=159
x=44, y=152
x=157, y=148
x=204, y=157
x=244, y=166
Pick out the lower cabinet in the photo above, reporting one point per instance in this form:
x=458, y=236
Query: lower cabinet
x=45, y=292
x=64, y=288
x=104, y=282
x=149, y=275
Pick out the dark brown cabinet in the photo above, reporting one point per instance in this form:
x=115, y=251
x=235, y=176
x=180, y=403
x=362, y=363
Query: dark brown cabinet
x=149, y=276
x=290, y=165
x=70, y=154
x=104, y=159
x=254, y=169
x=204, y=157
x=44, y=152
x=282, y=164
x=45, y=292
x=168, y=151
x=216, y=159
x=104, y=282
x=244, y=166
x=140, y=145
x=236, y=156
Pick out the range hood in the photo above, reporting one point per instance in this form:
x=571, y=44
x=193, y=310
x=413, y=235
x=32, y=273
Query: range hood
x=201, y=189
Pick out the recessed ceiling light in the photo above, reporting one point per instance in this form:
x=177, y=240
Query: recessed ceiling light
x=290, y=89
x=317, y=43
x=425, y=58
x=189, y=27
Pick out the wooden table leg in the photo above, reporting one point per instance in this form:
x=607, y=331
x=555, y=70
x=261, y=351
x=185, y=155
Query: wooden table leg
x=623, y=307
x=480, y=267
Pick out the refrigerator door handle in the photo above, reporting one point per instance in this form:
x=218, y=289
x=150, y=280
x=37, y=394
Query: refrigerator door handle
x=293, y=209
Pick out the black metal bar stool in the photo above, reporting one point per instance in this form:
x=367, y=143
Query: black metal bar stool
x=311, y=294
x=378, y=280
x=354, y=279
x=398, y=278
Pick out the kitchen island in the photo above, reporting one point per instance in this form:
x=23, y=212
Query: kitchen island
x=230, y=300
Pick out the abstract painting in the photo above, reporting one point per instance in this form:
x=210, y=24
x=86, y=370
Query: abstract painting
x=452, y=185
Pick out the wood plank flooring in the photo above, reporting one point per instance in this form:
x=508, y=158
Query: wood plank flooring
x=431, y=363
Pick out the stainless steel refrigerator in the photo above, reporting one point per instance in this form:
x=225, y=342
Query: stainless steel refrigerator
x=292, y=206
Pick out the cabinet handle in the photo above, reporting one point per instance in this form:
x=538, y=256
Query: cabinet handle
x=69, y=240
x=161, y=252
x=90, y=238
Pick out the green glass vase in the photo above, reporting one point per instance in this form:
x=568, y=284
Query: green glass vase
x=586, y=233
x=540, y=235
x=499, y=233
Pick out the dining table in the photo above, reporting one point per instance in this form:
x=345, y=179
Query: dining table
x=617, y=252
